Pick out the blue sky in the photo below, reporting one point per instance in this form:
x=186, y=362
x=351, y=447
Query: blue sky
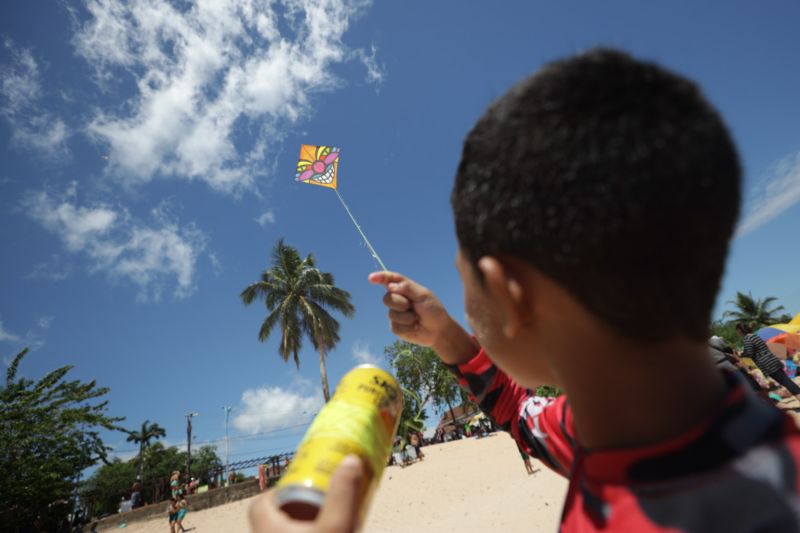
x=148, y=154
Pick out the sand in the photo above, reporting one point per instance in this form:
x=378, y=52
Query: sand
x=472, y=485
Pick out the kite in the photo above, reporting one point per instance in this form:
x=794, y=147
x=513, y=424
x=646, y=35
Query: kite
x=319, y=165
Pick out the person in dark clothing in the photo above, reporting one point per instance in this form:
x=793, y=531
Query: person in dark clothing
x=756, y=349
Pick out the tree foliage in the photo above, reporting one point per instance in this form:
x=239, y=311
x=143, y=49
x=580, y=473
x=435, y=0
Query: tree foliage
x=49, y=433
x=727, y=330
x=143, y=438
x=754, y=313
x=299, y=298
x=424, y=378
x=548, y=390
x=113, y=481
x=204, y=461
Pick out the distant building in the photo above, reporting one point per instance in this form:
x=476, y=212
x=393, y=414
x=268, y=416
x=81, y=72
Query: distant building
x=463, y=414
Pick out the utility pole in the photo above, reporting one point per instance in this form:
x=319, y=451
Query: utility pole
x=189, y=444
x=227, y=415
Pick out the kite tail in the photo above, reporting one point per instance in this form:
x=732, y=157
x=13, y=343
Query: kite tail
x=371, y=249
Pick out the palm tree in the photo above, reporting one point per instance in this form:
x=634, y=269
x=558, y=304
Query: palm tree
x=142, y=438
x=298, y=296
x=753, y=313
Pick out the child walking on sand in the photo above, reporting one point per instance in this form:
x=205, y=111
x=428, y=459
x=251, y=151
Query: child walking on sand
x=181, y=513
x=172, y=514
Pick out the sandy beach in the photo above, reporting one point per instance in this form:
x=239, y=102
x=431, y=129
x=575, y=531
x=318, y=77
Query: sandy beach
x=473, y=485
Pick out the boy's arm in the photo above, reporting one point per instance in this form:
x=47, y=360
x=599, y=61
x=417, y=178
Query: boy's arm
x=541, y=426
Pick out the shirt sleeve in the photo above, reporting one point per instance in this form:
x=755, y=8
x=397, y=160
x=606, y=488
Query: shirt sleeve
x=543, y=427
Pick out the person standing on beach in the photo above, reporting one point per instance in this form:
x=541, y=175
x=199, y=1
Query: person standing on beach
x=772, y=367
x=525, y=459
x=172, y=514
x=414, y=440
x=174, y=484
x=181, y=513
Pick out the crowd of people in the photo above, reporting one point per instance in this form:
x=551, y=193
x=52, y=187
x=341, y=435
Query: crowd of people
x=407, y=450
x=757, y=365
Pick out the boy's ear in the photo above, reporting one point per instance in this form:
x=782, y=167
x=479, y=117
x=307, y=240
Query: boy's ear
x=505, y=288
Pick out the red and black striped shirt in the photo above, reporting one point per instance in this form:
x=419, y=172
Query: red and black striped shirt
x=735, y=472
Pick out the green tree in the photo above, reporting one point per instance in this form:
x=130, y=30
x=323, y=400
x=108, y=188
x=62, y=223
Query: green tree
x=547, y=390
x=113, y=481
x=49, y=433
x=424, y=378
x=413, y=416
x=205, y=461
x=753, y=313
x=103, y=490
x=726, y=330
x=160, y=461
x=299, y=296
x=447, y=391
x=142, y=438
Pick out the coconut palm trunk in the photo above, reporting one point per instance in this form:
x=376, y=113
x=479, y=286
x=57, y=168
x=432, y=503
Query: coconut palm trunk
x=323, y=372
x=141, y=460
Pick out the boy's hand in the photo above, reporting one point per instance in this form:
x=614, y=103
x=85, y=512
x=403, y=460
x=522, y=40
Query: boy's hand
x=339, y=513
x=417, y=316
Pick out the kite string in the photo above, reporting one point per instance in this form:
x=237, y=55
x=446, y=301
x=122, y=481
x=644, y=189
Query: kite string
x=371, y=249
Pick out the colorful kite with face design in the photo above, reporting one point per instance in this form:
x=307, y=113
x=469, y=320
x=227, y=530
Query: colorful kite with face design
x=318, y=165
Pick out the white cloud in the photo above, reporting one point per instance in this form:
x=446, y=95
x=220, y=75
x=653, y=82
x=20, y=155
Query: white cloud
x=21, y=91
x=206, y=72
x=265, y=219
x=376, y=73
x=20, y=78
x=7, y=336
x=362, y=355
x=53, y=269
x=270, y=408
x=147, y=255
x=772, y=195
x=216, y=265
x=33, y=338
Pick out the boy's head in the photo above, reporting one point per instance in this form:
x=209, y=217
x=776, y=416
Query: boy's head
x=613, y=178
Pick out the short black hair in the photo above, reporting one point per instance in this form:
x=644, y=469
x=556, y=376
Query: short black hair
x=615, y=178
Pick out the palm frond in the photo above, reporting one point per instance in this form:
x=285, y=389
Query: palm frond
x=259, y=289
x=268, y=325
x=291, y=336
x=332, y=297
x=323, y=328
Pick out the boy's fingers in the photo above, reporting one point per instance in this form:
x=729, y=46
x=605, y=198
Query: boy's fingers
x=383, y=277
x=410, y=289
x=398, y=283
x=340, y=511
x=402, y=329
x=403, y=317
x=396, y=302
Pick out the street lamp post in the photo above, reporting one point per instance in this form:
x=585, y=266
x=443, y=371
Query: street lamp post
x=189, y=444
x=227, y=415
